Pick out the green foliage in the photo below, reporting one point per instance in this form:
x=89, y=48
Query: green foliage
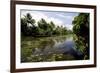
x=81, y=29
x=43, y=28
x=27, y=25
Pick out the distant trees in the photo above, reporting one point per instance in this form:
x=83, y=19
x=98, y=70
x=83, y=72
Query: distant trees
x=43, y=28
x=81, y=29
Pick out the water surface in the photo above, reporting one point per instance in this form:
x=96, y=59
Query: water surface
x=44, y=49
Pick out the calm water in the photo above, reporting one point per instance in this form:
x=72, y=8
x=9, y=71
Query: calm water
x=41, y=49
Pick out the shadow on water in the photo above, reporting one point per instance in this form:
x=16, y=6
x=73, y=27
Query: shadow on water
x=49, y=49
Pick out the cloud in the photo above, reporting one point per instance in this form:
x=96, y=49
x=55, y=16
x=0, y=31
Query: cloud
x=56, y=21
x=69, y=26
x=65, y=16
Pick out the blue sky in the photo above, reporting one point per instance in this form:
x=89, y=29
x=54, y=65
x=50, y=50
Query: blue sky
x=59, y=18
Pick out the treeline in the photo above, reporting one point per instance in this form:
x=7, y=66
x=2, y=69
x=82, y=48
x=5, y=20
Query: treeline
x=81, y=30
x=29, y=27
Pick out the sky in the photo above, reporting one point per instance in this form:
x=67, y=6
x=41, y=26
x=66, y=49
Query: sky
x=60, y=18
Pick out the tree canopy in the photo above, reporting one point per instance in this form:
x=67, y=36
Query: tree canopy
x=43, y=28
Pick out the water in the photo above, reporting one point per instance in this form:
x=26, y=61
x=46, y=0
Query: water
x=44, y=49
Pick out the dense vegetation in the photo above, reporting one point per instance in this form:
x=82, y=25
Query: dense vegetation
x=37, y=36
x=29, y=27
x=81, y=31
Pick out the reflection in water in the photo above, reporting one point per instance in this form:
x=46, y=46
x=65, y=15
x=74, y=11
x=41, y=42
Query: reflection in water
x=49, y=49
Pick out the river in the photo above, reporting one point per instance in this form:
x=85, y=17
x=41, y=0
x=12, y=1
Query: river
x=48, y=49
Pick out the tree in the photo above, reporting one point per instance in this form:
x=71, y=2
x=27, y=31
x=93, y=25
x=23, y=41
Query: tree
x=81, y=29
x=43, y=28
x=27, y=24
x=43, y=25
x=52, y=25
x=51, y=28
x=64, y=31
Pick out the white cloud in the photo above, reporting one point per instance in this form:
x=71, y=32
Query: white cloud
x=69, y=26
x=65, y=16
x=56, y=21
